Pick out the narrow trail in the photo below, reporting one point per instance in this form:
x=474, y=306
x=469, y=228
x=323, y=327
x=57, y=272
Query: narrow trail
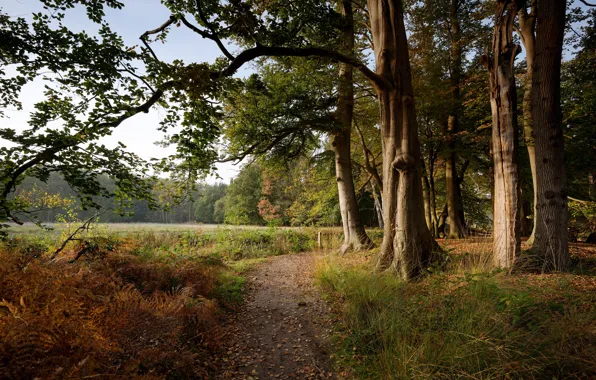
x=282, y=330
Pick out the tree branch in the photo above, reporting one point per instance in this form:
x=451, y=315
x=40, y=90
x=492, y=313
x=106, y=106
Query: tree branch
x=214, y=35
x=75, y=139
x=159, y=29
x=269, y=51
x=371, y=169
x=210, y=36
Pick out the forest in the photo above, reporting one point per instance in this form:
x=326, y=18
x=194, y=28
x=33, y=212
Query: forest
x=415, y=193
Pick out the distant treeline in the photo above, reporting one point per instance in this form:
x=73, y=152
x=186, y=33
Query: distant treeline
x=250, y=199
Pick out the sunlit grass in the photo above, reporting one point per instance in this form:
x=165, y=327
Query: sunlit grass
x=462, y=322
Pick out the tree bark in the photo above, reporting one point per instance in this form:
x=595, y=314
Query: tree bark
x=408, y=246
x=503, y=100
x=433, y=197
x=355, y=237
x=427, y=207
x=455, y=208
x=551, y=237
x=378, y=206
x=527, y=28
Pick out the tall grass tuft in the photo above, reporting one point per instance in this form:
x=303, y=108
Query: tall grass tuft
x=457, y=324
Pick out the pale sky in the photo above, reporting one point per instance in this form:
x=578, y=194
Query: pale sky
x=140, y=132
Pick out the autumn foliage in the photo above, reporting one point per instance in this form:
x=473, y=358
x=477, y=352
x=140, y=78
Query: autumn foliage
x=111, y=314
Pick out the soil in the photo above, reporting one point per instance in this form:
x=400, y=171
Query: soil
x=282, y=330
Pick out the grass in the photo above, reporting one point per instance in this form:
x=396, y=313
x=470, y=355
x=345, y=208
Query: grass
x=145, y=303
x=464, y=322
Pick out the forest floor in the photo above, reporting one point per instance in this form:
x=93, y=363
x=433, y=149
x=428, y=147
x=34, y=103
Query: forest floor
x=282, y=329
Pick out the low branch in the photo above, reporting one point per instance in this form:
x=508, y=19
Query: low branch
x=49, y=153
x=85, y=226
x=580, y=200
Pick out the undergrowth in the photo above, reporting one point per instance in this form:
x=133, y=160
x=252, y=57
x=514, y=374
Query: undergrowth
x=461, y=324
x=142, y=305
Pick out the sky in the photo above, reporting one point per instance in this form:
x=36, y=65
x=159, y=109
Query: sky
x=138, y=133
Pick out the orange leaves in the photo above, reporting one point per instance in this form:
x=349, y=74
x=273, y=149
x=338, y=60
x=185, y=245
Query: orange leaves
x=115, y=315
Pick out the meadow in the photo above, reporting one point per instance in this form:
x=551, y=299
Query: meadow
x=151, y=301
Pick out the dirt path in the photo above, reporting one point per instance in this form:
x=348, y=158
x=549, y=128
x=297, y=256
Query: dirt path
x=282, y=330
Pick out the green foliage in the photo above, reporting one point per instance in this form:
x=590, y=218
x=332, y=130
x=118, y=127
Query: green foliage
x=578, y=94
x=279, y=113
x=316, y=200
x=206, y=210
x=230, y=290
x=242, y=197
x=45, y=49
x=582, y=216
x=249, y=244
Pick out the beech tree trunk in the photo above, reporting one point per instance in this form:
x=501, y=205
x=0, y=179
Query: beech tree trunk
x=427, y=206
x=503, y=100
x=408, y=246
x=455, y=208
x=378, y=206
x=551, y=237
x=433, y=200
x=527, y=26
x=355, y=237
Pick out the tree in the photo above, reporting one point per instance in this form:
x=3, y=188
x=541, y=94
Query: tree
x=445, y=37
x=92, y=85
x=550, y=238
x=408, y=247
x=355, y=238
x=205, y=207
x=578, y=100
x=527, y=33
x=273, y=32
x=243, y=196
x=307, y=109
x=503, y=99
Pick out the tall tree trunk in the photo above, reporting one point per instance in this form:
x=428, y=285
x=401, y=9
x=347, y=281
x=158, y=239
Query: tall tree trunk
x=408, y=246
x=433, y=198
x=355, y=237
x=455, y=208
x=550, y=239
x=527, y=27
x=427, y=207
x=378, y=206
x=503, y=100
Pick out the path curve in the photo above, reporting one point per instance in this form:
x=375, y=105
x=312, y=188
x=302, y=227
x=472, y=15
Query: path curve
x=282, y=330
